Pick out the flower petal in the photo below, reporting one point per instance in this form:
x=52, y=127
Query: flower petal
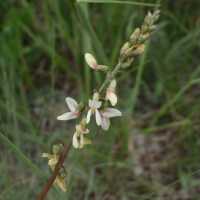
x=98, y=117
x=88, y=116
x=112, y=97
x=91, y=61
x=45, y=155
x=113, y=84
x=81, y=145
x=97, y=104
x=72, y=104
x=111, y=112
x=67, y=116
x=90, y=103
x=105, y=123
x=75, y=141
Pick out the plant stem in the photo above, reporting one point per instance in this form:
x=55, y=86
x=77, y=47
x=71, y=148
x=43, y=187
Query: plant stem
x=110, y=76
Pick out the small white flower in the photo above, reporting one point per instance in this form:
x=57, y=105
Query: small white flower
x=91, y=61
x=74, y=110
x=79, y=139
x=110, y=93
x=94, y=105
x=106, y=114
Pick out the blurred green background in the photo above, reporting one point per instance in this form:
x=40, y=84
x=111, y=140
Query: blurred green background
x=152, y=152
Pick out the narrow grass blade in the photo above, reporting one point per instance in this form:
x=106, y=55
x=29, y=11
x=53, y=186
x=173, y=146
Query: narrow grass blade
x=121, y=2
x=86, y=24
x=20, y=154
x=174, y=100
x=136, y=89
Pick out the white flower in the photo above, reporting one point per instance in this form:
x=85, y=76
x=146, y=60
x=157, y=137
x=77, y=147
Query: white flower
x=94, y=105
x=106, y=114
x=74, y=110
x=91, y=61
x=79, y=139
x=110, y=93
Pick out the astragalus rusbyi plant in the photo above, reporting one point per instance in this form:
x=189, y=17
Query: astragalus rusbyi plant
x=102, y=104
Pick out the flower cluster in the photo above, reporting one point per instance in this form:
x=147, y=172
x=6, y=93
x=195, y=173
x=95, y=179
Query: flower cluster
x=136, y=44
x=96, y=106
x=103, y=115
x=98, y=103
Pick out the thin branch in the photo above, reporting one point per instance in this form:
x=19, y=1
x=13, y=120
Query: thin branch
x=110, y=76
x=59, y=165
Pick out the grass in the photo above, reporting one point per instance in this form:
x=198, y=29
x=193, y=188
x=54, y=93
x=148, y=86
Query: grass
x=135, y=3
x=41, y=62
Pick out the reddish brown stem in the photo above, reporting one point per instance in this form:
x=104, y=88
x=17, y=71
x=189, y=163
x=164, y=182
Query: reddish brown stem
x=51, y=180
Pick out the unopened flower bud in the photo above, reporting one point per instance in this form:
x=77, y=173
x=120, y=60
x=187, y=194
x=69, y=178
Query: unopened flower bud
x=124, y=48
x=128, y=62
x=144, y=37
x=91, y=61
x=139, y=50
x=96, y=96
x=153, y=27
x=111, y=94
x=135, y=35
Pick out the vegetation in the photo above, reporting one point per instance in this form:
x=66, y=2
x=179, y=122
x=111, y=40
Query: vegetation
x=152, y=152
